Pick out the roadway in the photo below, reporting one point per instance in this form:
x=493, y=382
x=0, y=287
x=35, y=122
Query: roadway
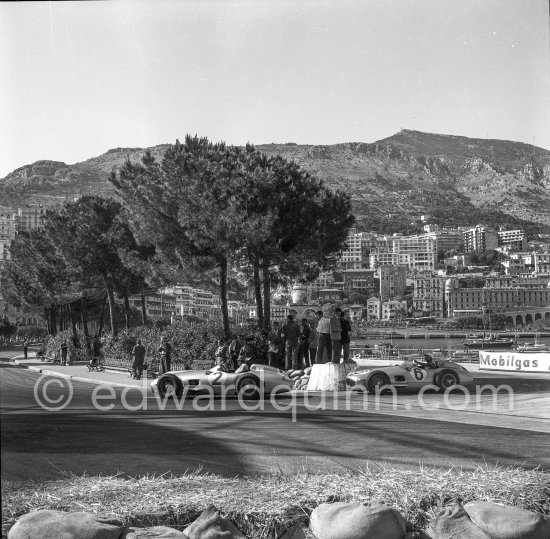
x=39, y=444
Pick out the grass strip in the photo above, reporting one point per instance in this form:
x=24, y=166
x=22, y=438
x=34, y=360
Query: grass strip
x=266, y=506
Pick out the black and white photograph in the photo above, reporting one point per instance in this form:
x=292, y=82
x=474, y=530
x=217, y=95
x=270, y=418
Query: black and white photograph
x=275, y=269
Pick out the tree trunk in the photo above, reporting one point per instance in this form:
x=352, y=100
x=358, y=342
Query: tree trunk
x=267, y=296
x=126, y=310
x=143, y=308
x=73, y=325
x=53, y=321
x=102, y=317
x=258, y=293
x=112, y=311
x=223, y=298
x=84, y=317
x=47, y=312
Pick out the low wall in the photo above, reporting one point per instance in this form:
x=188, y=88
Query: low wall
x=515, y=361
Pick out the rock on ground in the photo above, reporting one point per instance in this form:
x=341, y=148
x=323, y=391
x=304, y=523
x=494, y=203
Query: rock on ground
x=342, y=520
x=504, y=522
x=48, y=524
x=211, y=525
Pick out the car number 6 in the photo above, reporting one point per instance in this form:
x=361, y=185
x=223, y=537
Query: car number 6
x=419, y=374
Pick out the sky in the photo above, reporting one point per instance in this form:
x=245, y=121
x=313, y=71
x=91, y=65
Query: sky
x=79, y=78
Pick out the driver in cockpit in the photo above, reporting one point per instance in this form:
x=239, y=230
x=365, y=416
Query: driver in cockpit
x=428, y=362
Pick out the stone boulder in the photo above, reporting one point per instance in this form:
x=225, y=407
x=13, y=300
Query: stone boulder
x=211, y=525
x=452, y=522
x=508, y=522
x=357, y=521
x=49, y=524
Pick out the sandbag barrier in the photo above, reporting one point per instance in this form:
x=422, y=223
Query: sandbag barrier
x=338, y=520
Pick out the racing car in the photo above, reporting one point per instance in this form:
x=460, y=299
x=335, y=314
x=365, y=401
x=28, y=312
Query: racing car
x=251, y=384
x=410, y=374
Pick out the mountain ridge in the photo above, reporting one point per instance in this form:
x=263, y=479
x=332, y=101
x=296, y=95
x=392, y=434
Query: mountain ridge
x=408, y=173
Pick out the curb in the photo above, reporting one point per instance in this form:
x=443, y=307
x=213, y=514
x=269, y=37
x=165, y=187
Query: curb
x=73, y=377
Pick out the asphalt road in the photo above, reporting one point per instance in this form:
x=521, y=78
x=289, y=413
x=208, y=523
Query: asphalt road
x=39, y=444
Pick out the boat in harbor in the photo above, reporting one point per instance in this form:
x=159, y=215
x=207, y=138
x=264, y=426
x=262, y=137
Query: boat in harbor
x=489, y=342
x=533, y=347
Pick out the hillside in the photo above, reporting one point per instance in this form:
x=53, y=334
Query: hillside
x=455, y=179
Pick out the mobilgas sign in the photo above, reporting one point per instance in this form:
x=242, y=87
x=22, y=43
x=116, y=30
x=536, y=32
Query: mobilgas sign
x=515, y=361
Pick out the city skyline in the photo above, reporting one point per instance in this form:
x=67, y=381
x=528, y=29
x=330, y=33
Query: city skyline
x=83, y=77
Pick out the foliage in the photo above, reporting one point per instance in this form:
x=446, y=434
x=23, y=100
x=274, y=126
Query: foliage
x=191, y=341
x=358, y=298
x=31, y=332
x=494, y=322
x=93, y=238
x=74, y=353
x=206, y=203
x=187, y=204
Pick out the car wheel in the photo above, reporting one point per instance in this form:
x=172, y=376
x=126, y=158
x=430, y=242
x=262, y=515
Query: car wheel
x=170, y=386
x=249, y=388
x=377, y=381
x=447, y=379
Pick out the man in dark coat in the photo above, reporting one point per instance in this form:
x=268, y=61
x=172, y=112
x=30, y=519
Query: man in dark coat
x=291, y=333
x=139, y=359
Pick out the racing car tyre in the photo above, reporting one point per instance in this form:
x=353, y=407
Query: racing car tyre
x=376, y=381
x=170, y=384
x=249, y=388
x=446, y=379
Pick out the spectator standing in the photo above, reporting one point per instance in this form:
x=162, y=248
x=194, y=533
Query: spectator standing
x=291, y=333
x=336, y=335
x=139, y=359
x=247, y=355
x=345, y=325
x=324, y=346
x=165, y=350
x=64, y=351
x=222, y=352
x=313, y=340
x=96, y=349
x=303, y=351
x=234, y=349
x=274, y=345
x=25, y=348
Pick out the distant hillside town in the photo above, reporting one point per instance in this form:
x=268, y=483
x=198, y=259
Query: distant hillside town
x=441, y=274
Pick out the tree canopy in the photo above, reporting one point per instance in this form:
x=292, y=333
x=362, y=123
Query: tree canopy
x=205, y=205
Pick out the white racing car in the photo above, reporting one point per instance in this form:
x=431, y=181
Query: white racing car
x=259, y=381
x=443, y=374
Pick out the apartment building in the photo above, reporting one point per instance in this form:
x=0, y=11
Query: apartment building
x=392, y=281
x=447, y=239
x=29, y=217
x=429, y=294
x=7, y=224
x=386, y=310
x=157, y=304
x=358, y=280
x=515, y=240
x=480, y=238
x=541, y=262
x=461, y=301
x=4, y=252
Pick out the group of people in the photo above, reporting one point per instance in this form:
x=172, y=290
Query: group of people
x=290, y=346
x=138, y=354
x=236, y=354
x=320, y=340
